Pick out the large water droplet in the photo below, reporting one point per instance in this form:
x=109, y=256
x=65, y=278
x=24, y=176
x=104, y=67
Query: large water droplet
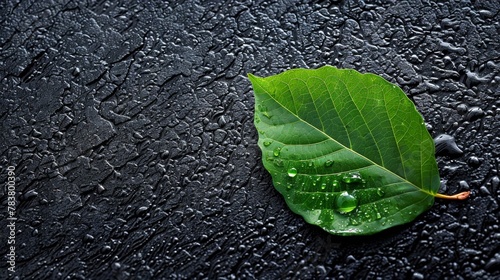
x=277, y=151
x=352, y=177
x=346, y=203
x=292, y=172
x=474, y=113
x=445, y=145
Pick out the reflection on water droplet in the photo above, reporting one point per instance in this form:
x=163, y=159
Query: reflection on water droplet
x=328, y=163
x=323, y=186
x=352, y=177
x=277, y=151
x=380, y=192
x=292, y=172
x=346, y=203
x=267, y=143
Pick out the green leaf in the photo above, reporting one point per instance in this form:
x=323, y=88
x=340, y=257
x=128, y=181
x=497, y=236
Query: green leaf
x=348, y=151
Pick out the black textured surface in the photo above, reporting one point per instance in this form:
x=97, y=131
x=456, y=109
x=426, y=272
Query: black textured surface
x=131, y=128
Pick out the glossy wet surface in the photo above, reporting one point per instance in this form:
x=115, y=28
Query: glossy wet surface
x=130, y=126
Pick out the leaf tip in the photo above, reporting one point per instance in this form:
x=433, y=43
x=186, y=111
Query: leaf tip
x=251, y=76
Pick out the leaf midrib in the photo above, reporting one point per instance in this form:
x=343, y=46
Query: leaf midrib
x=343, y=146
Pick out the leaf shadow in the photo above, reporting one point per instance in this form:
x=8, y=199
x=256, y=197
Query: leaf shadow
x=326, y=242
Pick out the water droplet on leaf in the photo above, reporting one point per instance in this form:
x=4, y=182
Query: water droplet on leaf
x=292, y=172
x=346, y=203
x=352, y=177
x=263, y=110
x=279, y=163
x=380, y=192
x=277, y=151
x=267, y=143
x=328, y=163
x=335, y=184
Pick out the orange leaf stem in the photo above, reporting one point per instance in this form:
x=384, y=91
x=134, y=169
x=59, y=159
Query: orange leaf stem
x=458, y=196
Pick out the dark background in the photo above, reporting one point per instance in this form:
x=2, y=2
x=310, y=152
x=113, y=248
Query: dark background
x=131, y=128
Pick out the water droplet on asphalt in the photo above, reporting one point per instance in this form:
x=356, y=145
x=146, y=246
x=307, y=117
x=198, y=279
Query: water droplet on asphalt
x=445, y=145
x=474, y=113
x=417, y=276
x=474, y=161
x=462, y=109
x=353, y=221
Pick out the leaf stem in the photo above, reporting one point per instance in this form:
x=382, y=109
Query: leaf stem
x=458, y=196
